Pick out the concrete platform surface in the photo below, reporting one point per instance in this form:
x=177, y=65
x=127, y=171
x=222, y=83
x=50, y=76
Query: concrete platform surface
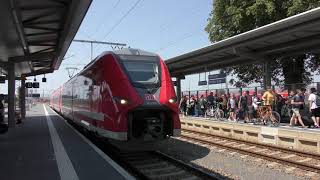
x=44, y=146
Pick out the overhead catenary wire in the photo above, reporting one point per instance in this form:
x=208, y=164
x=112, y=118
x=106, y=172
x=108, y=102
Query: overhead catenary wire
x=86, y=34
x=90, y=36
x=105, y=21
x=116, y=4
x=168, y=24
x=172, y=43
x=182, y=38
x=120, y=20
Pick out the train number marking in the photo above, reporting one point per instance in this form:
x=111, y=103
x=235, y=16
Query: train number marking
x=149, y=97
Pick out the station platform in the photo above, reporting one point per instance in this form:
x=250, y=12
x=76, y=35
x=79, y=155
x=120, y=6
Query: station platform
x=44, y=146
x=300, y=139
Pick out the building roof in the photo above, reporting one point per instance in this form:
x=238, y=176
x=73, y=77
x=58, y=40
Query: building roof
x=294, y=35
x=36, y=34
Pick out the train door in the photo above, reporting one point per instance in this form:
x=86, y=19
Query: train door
x=74, y=96
x=95, y=98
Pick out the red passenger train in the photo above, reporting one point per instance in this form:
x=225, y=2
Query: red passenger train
x=125, y=95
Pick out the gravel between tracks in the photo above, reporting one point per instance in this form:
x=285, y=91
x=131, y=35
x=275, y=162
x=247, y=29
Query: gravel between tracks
x=232, y=164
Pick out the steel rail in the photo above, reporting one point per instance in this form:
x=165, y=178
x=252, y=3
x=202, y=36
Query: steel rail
x=251, y=153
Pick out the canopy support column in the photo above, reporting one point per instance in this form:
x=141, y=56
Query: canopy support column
x=267, y=75
x=23, y=99
x=11, y=95
x=178, y=80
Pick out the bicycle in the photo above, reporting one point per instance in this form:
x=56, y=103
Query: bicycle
x=265, y=116
x=215, y=113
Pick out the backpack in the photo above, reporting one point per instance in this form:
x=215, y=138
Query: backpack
x=317, y=100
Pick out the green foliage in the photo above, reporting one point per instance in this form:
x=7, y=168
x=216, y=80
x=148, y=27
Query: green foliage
x=232, y=17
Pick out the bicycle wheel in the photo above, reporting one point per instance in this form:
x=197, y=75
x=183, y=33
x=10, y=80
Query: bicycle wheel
x=209, y=113
x=255, y=121
x=218, y=115
x=275, y=120
x=221, y=114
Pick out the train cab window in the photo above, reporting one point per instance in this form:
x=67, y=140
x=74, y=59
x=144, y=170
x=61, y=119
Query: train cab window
x=142, y=72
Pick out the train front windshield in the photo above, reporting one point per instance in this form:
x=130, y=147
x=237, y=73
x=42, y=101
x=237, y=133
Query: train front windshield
x=142, y=72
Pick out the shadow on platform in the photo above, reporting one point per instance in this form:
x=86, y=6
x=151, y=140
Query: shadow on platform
x=181, y=148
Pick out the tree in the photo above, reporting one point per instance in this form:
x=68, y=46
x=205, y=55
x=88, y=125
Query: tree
x=232, y=17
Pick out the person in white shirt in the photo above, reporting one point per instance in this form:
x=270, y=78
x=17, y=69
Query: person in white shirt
x=231, y=106
x=255, y=101
x=255, y=104
x=313, y=108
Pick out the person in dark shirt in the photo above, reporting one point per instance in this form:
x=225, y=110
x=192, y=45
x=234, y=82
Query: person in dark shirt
x=288, y=104
x=211, y=99
x=279, y=102
x=224, y=104
x=249, y=105
x=304, y=99
x=183, y=105
x=202, y=104
x=192, y=104
x=290, y=97
x=243, y=107
x=296, y=102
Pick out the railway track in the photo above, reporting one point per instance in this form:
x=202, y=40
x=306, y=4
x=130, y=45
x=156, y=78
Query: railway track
x=302, y=160
x=149, y=164
x=156, y=165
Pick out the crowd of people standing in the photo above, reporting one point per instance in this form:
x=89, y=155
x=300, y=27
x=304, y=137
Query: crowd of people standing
x=244, y=106
x=229, y=103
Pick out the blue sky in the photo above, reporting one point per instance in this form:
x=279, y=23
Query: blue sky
x=169, y=28
x=166, y=27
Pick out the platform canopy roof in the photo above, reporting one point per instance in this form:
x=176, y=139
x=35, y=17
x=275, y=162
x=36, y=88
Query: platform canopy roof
x=36, y=34
x=294, y=35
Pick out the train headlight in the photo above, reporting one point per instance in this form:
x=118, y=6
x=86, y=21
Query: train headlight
x=123, y=101
x=172, y=100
